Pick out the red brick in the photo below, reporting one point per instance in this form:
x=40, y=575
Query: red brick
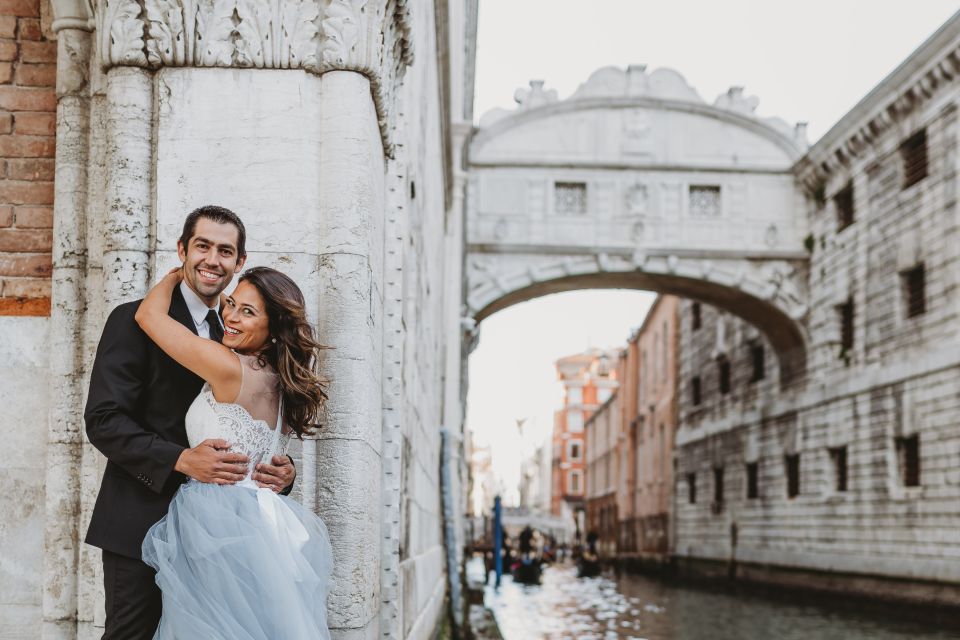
x=25, y=240
x=34, y=217
x=6, y=72
x=25, y=192
x=8, y=50
x=26, y=8
x=17, y=146
x=38, y=51
x=31, y=169
x=3, y=168
x=26, y=265
x=8, y=26
x=40, y=124
x=27, y=99
x=37, y=75
x=6, y=216
x=29, y=29
x=24, y=307
x=6, y=122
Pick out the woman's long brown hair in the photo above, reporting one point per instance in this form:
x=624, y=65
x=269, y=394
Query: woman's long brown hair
x=294, y=354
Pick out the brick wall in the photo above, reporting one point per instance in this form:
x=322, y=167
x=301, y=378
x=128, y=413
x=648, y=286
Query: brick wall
x=28, y=102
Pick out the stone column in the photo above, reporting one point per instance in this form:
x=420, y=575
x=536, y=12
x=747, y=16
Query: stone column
x=65, y=426
x=350, y=323
x=128, y=229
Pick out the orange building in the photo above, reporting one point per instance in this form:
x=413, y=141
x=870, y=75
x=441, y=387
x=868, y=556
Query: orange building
x=589, y=379
x=648, y=406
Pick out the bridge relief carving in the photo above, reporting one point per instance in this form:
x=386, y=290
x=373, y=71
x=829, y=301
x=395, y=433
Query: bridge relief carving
x=636, y=182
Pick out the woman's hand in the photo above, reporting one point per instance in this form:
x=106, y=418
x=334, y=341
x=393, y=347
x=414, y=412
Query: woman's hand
x=175, y=275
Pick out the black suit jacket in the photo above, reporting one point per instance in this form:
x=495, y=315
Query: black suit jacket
x=135, y=413
x=138, y=399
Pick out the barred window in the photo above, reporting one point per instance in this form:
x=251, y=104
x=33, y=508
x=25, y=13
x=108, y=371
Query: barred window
x=792, y=467
x=697, y=321
x=913, y=153
x=692, y=488
x=843, y=201
x=723, y=366
x=705, y=201
x=908, y=460
x=570, y=198
x=718, y=487
x=845, y=311
x=838, y=457
x=695, y=391
x=914, y=290
x=753, y=480
x=758, y=357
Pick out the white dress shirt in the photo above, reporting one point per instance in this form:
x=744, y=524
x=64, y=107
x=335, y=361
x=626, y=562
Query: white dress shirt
x=198, y=310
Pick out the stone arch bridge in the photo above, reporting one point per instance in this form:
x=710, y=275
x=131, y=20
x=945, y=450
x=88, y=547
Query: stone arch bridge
x=636, y=182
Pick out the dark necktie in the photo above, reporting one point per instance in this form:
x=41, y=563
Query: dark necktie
x=213, y=321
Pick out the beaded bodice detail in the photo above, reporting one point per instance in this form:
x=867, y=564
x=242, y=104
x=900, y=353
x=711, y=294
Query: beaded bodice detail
x=258, y=440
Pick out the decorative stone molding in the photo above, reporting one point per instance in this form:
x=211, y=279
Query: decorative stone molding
x=852, y=137
x=371, y=37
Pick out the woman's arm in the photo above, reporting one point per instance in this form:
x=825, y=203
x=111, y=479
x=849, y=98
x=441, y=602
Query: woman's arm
x=207, y=358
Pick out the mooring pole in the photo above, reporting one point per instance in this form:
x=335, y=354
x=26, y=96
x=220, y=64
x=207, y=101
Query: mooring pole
x=497, y=541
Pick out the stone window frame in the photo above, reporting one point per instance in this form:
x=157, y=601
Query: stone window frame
x=791, y=466
x=914, y=159
x=914, y=290
x=566, y=194
x=752, y=473
x=840, y=468
x=692, y=488
x=845, y=205
x=907, y=455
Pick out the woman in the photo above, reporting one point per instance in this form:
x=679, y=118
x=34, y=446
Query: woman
x=237, y=560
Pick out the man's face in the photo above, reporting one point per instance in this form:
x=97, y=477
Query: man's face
x=210, y=258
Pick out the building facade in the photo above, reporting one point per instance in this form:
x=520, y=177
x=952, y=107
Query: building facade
x=589, y=380
x=602, y=435
x=651, y=429
x=848, y=476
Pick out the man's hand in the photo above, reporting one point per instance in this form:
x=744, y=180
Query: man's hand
x=210, y=462
x=277, y=476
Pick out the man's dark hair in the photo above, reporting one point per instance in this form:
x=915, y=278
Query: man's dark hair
x=220, y=215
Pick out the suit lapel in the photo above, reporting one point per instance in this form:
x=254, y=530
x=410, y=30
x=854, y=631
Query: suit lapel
x=179, y=312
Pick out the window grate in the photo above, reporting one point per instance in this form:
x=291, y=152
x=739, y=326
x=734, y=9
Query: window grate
x=913, y=153
x=914, y=286
x=843, y=201
x=838, y=456
x=692, y=488
x=570, y=198
x=724, y=370
x=753, y=480
x=705, y=201
x=792, y=464
x=908, y=460
x=845, y=311
x=696, y=398
x=758, y=357
x=697, y=321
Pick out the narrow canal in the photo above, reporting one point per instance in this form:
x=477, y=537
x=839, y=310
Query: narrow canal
x=631, y=606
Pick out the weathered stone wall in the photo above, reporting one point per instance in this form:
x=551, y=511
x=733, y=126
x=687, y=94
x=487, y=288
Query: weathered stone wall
x=891, y=376
x=27, y=122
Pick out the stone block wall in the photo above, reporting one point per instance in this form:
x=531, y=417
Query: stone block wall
x=869, y=434
x=28, y=103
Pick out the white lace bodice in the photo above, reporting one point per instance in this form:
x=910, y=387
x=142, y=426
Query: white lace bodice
x=207, y=418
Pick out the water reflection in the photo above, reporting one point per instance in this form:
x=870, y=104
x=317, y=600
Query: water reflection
x=566, y=607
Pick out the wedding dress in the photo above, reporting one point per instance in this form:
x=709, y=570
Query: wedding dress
x=240, y=562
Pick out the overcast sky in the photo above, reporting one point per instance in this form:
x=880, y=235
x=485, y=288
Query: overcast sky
x=806, y=61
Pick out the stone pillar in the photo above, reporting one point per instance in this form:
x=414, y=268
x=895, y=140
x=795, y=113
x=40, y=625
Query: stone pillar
x=350, y=323
x=65, y=426
x=128, y=229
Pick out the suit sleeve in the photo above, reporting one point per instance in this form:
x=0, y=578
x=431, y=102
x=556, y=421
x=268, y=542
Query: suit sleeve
x=286, y=490
x=117, y=382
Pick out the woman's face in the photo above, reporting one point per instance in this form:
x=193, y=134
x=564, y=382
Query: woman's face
x=245, y=322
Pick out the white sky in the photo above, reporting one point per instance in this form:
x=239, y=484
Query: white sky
x=807, y=61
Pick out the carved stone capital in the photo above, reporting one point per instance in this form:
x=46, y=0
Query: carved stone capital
x=371, y=37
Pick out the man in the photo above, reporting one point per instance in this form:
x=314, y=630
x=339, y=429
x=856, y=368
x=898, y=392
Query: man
x=135, y=414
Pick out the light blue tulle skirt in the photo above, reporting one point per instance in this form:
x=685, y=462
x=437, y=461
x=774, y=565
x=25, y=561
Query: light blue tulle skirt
x=240, y=563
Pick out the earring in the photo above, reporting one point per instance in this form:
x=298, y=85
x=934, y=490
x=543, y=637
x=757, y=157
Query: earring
x=273, y=340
